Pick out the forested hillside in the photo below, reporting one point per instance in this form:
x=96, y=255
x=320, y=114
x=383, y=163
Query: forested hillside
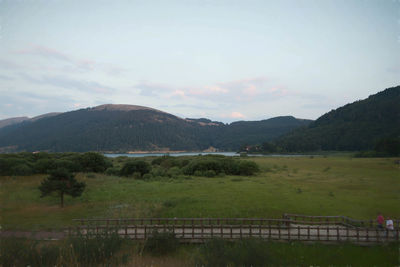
x=356, y=126
x=129, y=128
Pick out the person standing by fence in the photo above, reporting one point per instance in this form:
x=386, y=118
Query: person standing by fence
x=389, y=224
x=380, y=221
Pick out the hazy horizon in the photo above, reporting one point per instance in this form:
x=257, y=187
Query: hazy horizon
x=221, y=60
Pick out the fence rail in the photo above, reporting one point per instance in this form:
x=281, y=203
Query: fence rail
x=339, y=220
x=291, y=227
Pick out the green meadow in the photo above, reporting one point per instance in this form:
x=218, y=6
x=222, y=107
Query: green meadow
x=337, y=185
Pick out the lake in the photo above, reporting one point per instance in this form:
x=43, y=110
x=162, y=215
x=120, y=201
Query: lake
x=229, y=154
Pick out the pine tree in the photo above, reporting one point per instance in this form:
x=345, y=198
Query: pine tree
x=62, y=182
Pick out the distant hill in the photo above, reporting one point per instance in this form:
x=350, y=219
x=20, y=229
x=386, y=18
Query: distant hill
x=11, y=121
x=132, y=128
x=356, y=126
x=16, y=120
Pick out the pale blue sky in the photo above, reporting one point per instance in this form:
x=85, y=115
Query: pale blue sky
x=224, y=60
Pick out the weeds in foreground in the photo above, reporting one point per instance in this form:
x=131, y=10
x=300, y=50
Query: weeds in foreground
x=89, y=250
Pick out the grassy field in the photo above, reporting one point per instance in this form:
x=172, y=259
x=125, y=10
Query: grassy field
x=355, y=187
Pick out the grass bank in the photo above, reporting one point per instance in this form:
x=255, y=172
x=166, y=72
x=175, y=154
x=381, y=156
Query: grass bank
x=354, y=187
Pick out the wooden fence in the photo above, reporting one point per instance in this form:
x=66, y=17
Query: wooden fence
x=335, y=220
x=291, y=227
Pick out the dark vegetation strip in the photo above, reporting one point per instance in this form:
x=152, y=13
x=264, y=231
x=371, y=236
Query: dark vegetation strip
x=107, y=250
x=45, y=163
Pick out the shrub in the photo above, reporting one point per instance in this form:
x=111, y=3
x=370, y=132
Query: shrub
x=161, y=243
x=21, y=252
x=94, y=162
x=248, y=167
x=174, y=172
x=44, y=165
x=246, y=252
x=147, y=176
x=21, y=169
x=210, y=173
x=91, y=250
x=133, y=166
x=113, y=171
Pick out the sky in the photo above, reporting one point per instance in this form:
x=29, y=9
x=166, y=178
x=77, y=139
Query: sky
x=223, y=60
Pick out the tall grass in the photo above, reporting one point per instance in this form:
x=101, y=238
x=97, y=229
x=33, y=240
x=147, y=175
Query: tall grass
x=90, y=250
x=255, y=252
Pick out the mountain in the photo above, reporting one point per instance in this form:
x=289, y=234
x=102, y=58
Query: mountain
x=11, y=121
x=132, y=128
x=356, y=126
x=16, y=120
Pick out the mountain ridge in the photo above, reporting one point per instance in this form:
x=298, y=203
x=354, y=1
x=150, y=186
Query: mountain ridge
x=352, y=127
x=129, y=128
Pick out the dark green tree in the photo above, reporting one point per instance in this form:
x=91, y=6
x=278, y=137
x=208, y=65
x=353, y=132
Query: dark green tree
x=62, y=182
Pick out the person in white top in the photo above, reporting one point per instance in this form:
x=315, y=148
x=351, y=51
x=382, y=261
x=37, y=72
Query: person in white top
x=389, y=224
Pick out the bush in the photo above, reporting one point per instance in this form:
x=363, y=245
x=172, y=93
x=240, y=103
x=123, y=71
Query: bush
x=210, y=173
x=22, y=252
x=248, y=167
x=94, y=162
x=246, y=252
x=174, y=172
x=161, y=243
x=139, y=166
x=92, y=250
x=21, y=169
x=113, y=171
x=147, y=176
x=44, y=165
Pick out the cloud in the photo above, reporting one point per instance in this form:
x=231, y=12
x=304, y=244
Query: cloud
x=6, y=78
x=6, y=65
x=45, y=52
x=71, y=63
x=153, y=89
x=237, y=115
x=258, y=89
x=69, y=83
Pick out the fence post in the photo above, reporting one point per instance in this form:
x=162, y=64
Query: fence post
x=337, y=229
x=298, y=232
x=192, y=229
x=308, y=232
x=327, y=232
x=202, y=228
x=279, y=232
x=318, y=232
x=269, y=230
x=358, y=234
x=135, y=231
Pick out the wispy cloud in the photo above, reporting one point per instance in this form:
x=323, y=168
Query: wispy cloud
x=153, y=89
x=70, y=62
x=6, y=78
x=46, y=52
x=252, y=89
x=69, y=83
